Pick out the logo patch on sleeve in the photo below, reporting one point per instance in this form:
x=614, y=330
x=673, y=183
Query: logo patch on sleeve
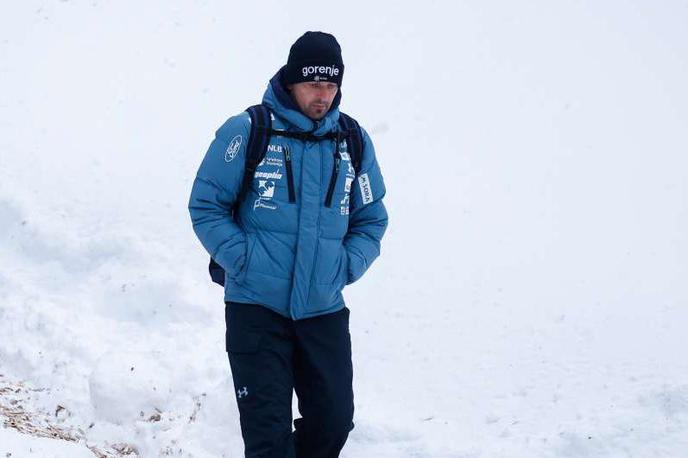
x=366, y=191
x=233, y=148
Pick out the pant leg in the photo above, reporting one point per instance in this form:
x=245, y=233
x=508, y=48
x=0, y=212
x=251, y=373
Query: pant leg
x=323, y=376
x=260, y=348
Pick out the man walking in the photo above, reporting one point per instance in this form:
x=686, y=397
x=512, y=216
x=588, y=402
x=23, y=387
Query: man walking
x=306, y=222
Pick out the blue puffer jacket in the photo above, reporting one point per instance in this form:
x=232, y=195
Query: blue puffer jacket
x=292, y=257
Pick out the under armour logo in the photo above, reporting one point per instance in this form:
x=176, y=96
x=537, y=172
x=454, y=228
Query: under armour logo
x=243, y=392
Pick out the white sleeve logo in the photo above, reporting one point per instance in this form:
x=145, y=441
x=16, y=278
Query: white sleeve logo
x=366, y=191
x=233, y=148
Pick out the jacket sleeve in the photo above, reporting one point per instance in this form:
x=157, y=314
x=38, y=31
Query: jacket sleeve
x=368, y=216
x=214, y=192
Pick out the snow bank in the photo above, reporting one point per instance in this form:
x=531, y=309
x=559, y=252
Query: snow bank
x=14, y=444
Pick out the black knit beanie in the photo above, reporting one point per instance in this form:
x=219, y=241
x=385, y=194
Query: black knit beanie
x=315, y=56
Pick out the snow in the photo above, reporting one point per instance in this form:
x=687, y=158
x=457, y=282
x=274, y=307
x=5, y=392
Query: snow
x=14, y=444
x=530, y=300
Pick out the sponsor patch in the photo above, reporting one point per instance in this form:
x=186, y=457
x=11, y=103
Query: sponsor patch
x=347, y=185
x=366, y=191
x=233, y=148
x=344, y=203
x=320, y=70
x=272, y=161
x=269, y=175
x=266, y=191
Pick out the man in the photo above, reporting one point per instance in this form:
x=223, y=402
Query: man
x=308, y=225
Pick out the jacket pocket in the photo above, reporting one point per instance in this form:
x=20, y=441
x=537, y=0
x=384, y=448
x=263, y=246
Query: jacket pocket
x=326, y=291
x=331, y=263
x=343, y=274
x=250, y=244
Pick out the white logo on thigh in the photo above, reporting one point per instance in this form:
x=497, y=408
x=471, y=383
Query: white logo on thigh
x=242, y=392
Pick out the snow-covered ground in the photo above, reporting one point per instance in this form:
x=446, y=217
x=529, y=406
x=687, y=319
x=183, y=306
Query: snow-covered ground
x=531, y=299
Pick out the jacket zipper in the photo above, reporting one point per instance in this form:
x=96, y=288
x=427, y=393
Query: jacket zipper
x=290, y=176
x=333, y=179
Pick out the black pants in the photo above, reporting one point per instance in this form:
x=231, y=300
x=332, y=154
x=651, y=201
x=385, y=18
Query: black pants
x=270, y=357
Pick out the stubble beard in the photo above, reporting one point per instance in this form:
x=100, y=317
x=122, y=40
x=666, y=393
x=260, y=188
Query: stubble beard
x=318, y=110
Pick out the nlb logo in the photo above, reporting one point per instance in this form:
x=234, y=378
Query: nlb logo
x=320, y=70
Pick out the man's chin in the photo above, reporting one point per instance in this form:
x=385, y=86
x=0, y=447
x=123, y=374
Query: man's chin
x=317, y=115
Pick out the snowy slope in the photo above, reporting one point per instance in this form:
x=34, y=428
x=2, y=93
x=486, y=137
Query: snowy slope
x=531, y=298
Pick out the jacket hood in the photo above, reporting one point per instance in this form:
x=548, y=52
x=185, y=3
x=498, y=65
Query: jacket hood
x=278, y=99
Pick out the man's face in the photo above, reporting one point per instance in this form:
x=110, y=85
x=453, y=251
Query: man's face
x=314, y=98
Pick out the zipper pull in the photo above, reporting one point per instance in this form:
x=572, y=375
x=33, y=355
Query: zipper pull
x=290, y=175
x=333, y=180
